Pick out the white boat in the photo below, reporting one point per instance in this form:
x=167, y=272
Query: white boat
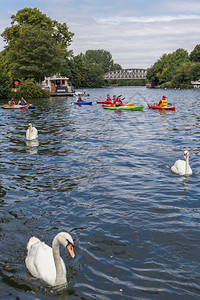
x=58, y=86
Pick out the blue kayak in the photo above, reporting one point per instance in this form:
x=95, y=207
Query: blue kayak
x=82, y=103
x=31, y=106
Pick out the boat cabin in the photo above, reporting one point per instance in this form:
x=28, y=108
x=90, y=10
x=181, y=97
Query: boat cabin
x=58, y=85
x=196, y=84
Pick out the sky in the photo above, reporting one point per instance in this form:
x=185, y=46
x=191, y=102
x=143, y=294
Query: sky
x=136, y=32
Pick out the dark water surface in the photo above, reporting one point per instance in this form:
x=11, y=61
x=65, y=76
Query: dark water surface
x=104, y=176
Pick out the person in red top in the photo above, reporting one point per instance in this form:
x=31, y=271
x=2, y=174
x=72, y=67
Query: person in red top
x=108, y=98
x=117, y=101
x=12, y=102
x=79, y=99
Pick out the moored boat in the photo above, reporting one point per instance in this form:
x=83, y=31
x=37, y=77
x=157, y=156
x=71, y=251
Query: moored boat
x=155, y=106
x=58, y=85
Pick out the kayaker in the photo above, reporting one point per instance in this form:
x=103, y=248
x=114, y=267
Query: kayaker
x=163, y=101
x=114, y=99
x=79, y=99
x=108, y=98
x=12, y=102
x=22, y=101
x=117, y=101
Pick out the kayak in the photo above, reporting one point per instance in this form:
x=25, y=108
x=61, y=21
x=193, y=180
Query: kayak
x=112, y=104
x=82, y=103
x=154, y=106
x=124, y=107
x=8, y=106
x=104, y=102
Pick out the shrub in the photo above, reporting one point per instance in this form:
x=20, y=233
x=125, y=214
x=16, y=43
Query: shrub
x=30, y=90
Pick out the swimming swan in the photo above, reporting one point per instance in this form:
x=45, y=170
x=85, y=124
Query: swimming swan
x=31, y=133
x=182, y=167
x=45, y=262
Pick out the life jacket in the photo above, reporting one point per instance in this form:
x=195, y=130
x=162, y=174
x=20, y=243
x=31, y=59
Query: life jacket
x=163, y=102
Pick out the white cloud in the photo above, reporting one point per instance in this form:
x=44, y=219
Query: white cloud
x=120, y=20
x=136, y=32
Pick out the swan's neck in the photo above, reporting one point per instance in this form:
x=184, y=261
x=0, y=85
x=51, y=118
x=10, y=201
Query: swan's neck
x=187, y=165
x=60, y=275
x=29, y=134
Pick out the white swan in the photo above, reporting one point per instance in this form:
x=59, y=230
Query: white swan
x=31, y=133
x=182, y=167
x=45, y=262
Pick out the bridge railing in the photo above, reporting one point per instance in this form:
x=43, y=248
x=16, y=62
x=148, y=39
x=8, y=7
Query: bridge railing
x=126, y=74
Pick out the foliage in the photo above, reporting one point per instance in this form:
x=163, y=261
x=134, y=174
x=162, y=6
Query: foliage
x=33, y=17
x=28, y=89
x=87, y=69
x=5, y=84
x=195, y=54
x=36, y=45
x=175, y=70
x=34, y=55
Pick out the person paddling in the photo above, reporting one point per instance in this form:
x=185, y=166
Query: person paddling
x=22, y=101
x=79, y=99
x=163, y=101
x=12, y=102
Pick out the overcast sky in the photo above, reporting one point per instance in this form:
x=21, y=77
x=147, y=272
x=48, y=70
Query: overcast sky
x=136, y=32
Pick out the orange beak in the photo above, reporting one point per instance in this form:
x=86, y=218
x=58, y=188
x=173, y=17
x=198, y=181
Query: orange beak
x=71, y=250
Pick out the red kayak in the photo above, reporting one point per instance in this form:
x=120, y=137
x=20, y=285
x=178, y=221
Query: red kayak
x=104, y=102
x=108, y=104
x=153, y=106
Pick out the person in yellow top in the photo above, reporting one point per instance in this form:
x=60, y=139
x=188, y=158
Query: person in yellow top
x=163, y=101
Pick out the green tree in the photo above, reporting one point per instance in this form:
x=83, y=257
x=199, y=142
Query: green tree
x=181, y=78
x=32, y=39
x=195, y=71
x=33, y=17
x=195, y=54
x=163, y=70
x=97, y=63
x=79, y=77
x=34, y=54
x=101, y=58
x=5, y=83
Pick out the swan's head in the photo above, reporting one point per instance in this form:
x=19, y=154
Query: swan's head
x=29, y=125
x=66, y=240
x=186, y=154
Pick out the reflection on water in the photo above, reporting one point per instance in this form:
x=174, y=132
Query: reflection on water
x=32, y=146
x=105, y=178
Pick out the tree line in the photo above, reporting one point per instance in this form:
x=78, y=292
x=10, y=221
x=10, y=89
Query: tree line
x=37, y=46
x=176, y=70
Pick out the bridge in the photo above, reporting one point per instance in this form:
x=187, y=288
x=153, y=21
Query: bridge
x=126, y=74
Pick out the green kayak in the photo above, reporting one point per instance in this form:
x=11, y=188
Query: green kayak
x=124, y=107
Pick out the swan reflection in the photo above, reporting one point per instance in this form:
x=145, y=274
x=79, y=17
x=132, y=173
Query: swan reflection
x=31, y=146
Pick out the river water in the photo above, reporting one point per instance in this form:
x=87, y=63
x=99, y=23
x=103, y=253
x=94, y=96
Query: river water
x=104, y=177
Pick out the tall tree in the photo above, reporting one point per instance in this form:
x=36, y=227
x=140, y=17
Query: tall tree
x=195, y=54
x=34, y=54
x=36, y=45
